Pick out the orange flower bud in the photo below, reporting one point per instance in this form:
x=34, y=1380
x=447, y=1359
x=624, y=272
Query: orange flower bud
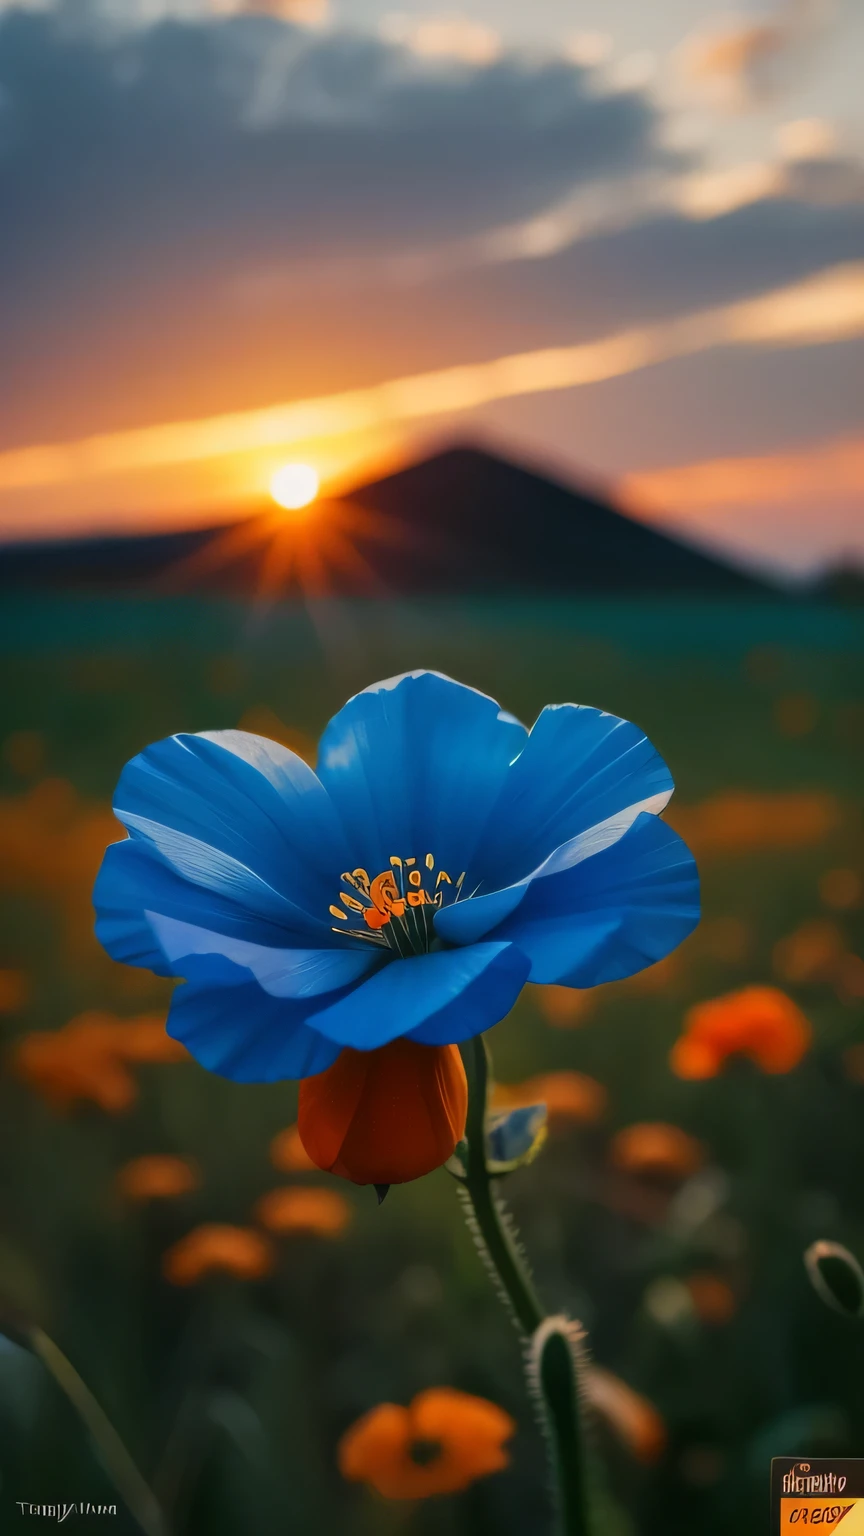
x=385, y=1116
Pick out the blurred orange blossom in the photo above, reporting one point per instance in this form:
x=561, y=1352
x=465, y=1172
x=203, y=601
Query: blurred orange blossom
x=51, y=845
x=442, y=1442
x=811, y=953
x=740, y=821
x=156, y=1177
x=761, y=1023
x=628, y=1414
x=14, y=991
x=655, y=1148
x=565, y=1007
x=323, y=1211
x=288, y=1153
x=217, y=1248
x=713, y=1297
x=89, y=1058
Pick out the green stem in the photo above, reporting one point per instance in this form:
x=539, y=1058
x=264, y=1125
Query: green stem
x=557, y=1365
x=139, y=1500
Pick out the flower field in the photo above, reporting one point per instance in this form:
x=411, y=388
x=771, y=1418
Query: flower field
x=262, y=1335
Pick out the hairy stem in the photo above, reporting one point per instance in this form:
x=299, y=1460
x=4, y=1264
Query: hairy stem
x=556, y=1376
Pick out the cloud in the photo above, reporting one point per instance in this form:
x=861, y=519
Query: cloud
x=214, y=140
x=447, y=36
x=807, y=138
x=741, y=62
x=302, y=13
x=824, y=309
x=751, y=499
x=830, y=469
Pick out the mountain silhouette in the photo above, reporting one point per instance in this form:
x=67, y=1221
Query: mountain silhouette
x=464, y=521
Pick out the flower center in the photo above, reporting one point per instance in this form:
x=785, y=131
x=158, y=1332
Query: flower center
x=424, y=1452
x=395, y=910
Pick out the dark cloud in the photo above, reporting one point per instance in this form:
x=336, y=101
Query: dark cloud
x=145, y=175
x=226, y=139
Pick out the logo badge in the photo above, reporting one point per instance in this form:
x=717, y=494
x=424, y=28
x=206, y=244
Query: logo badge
x=826, y=1494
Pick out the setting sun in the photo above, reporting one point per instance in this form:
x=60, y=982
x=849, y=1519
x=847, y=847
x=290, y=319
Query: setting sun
x=294, y=485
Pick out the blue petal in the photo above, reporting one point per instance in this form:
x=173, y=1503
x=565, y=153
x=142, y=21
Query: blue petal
x=241, y=1033
x=240, y=816
x=135, y=879
x=579, y=767
x=438, y=999
x=464, y=922
x=612, y=914
x=296, y=973
x=414, y=766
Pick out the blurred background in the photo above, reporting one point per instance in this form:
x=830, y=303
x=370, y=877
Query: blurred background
x=526, y=344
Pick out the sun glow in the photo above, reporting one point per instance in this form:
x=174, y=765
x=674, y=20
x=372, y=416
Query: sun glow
x=294, y=486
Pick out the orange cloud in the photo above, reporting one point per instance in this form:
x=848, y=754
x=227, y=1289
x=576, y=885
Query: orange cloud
x=745, y=59
x=824, y=470
x=828, y=307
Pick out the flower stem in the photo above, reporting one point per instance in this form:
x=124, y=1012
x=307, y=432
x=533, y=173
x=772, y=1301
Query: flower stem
x=555, y=1363
x=119, y=1465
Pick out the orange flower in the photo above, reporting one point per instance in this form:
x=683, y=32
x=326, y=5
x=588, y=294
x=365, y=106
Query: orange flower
x=385, y=1116
x=630, y=1415
x=215, y=1248
x=653, y=1148
x=740, y=822
x=811, y=954
x=565, y=1007
x=288, y=1153
x=157, y=1178
x=74, y=1063
x=303, y=1210
x=88, y=1058
x=146, y=1039
x=443, y=1441
x=14, y=989
x=841, y=889
x=713, y=1297
x=760, y=1023
x=571, y=1098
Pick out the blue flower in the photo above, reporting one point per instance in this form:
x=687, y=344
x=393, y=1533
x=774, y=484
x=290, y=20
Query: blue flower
x=440, y=857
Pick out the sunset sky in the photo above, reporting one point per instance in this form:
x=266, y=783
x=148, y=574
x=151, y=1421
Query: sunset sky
x=624, y=242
